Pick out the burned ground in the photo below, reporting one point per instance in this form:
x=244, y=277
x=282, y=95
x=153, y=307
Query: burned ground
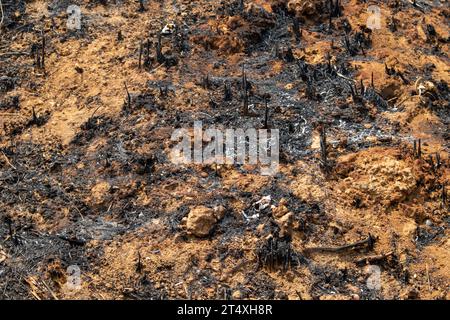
x=86, y=118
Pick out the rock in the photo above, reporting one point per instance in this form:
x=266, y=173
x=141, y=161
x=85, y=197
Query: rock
x=99, y=193
x=285, y=224
x=219, y=212
x=237, y=295
x=281, y=210
x=283, y=217
x=201, y=220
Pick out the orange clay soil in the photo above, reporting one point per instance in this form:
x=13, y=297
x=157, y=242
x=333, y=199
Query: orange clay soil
x=86, y=182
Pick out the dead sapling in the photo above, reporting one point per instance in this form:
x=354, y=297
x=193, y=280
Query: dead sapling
x=417, y=149
x=206, y=83
x=337, y=9
x=139, y=265
x=296, y=29
x=119, y=36
x=35, y=119
x=367, y=243
x=310, y=89
x=329, y=66
x=354, y=92
x=438, y=160
x=228, y=94
x=277, y=254
x=141, y=48
x=371, y=82
x=128, y=101
x=323, y=149
x=266, y=113
x=159, y=55
x=348, y=46
x=245, y=92
x=43, y=49
x=147, y=60
x=91, y=121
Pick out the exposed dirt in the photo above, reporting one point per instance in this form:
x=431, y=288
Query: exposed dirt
x=86, y=181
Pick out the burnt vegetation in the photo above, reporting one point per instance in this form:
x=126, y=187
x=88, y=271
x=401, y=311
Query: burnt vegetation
x=281, y=65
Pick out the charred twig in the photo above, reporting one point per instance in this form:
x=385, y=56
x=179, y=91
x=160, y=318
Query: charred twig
x=8, y=162
x=140, y=54
x=417, y=149
x=374, y=259
x=43, y=49
x=147, y=54
x=119, y=36
x=328, y=57
x=275, y=254
x=368, y=243
x=228, y=95
x=159, y=55
x=73, y=240
x=266, y=115
x=128, y=102
x=296, y=29
x=139, y=265
x=34, y=117
x=438, y=160
x=245, y=88
x=206, y=83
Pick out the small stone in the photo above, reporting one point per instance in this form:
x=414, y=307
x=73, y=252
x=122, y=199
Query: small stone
x=428, y=222
x=236, y=295
x=285, y=224
x=219, y=212
x=100, y=192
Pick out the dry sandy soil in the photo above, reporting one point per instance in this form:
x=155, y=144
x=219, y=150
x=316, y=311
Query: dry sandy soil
x=86, y=181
